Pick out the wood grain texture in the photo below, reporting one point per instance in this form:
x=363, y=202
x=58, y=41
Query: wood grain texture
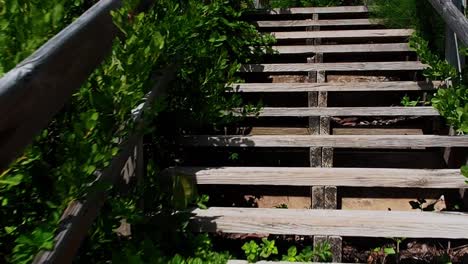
x=37, y=88
x=315, y=10
x=343, y=66
x=310, y=22
x=345, y=177
x=279, y=131
x=318, y=197
x=377, y=131
x=453, y=18
x=331, y=87
x=333, y=34
x=277, y=262
x=335, y=141
x=347, y=111
x=349, y=48
x=331, y=222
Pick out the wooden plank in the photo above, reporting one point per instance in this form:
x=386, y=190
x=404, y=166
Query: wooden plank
x=344, y=177
x=347, y=111
x=314, y=10
x=334, y=34
x=377, y=131
x=332, y=87
x=278, y=262
x=347, y=48
x=310, y=22
x=455, y=19
x=279, y=131
x=343, y=66
x=39, y=86
x=331, y=222
x=341, y=141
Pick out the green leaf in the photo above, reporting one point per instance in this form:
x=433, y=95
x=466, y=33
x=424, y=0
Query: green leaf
x=464, y=170
x=389, y=251
x=12, y=180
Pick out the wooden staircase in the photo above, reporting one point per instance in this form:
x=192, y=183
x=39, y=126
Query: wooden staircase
x=320, y=45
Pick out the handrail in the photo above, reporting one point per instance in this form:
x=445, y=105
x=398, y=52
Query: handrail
x=124, y=169
x=456, y=29
x=33, y=92
x=453, y=17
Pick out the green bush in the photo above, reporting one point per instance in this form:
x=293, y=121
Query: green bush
x=207, y=43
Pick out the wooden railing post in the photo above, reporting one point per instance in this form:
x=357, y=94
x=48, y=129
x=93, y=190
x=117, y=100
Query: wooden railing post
x=260, y=4
x=452, y=54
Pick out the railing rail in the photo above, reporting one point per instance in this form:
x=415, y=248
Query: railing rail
x=124, y=169
x=37, y=89
x=33, y=92
x=452, y=12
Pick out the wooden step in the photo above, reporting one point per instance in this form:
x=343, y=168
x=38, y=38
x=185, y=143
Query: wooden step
x=342, y=67
x=334, y=34
x=310, y=22
x=333, y=141
x=331, y=222
x=346, y=177
x=377, y=131
x=235, y=261
x=346, y=111
x=350, y=48
x=331, y=87
x=314, y=10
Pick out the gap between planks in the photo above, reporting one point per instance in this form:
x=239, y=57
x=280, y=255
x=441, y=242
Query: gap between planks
x=343, y=66
x=343, y=177
x=355, y=223
x=334, y=141
x=332, y=87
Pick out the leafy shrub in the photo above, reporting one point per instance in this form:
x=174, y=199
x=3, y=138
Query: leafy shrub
x=255, y=252
x=207, y=42
x=451, y=101
x=26, y=24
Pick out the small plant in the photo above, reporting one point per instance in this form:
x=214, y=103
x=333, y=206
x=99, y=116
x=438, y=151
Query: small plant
x=251, y=250
x=282, y=206
x=406, y=101
x=321, y=252
x=268, y=248
x=255, y=252
x=464, y=172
